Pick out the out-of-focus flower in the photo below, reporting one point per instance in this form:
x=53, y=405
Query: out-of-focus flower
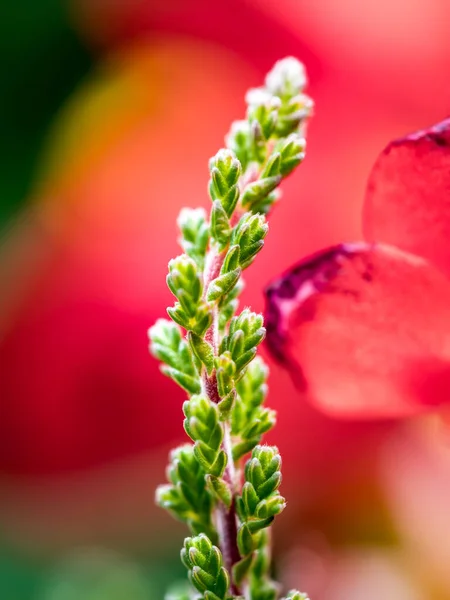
x=414, y=468
x=78, y=389
x=364, y=328
x=408, y=195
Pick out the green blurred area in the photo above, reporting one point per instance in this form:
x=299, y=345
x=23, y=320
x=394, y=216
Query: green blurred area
x=88, y=574
x=42, y=60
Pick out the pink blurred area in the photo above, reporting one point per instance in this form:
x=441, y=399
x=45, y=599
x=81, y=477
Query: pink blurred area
x=86, y=417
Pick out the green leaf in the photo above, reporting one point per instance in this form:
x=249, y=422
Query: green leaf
x=231, y=261
x=222, y=581
x=201, y=579
x=245, y=540
x=190, y=384
x=177, y=314
x=254, y=472
x=292, y=153
x=205, y=455
x=211, y=596
x=250, y=498
x=202, y=350
x=257, y=190
x=220, y=225
x=273, y=166
x=270, y=507
x=244, y=359
x=249, y=235
x=220, y=489
x=225, y=371
x=219, y=465
x=203, y=319
x=222, y=285
x=269, y=486
x=236, y=344
x=239, y=450
x=241, y=569
x=225, y=406
x=257, y=524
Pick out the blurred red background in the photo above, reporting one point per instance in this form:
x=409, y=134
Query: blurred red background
x=86, y=417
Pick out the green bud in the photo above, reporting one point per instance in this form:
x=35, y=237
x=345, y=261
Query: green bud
x=203, y=426
x=291, y=152
x=293, y=113
x=225, y=170
x=238, y=141
x=263, y=470
x=245, y=333
x=186, y=497
x=184, y=277
x=220, y=225
x=200, y=412
x=252, y=388
x=296, y=595
x=204, y=563
x=270, y=507
x=262, y=421
x=194, y=233
x=287, y=78
x=167, y=344
x=263, y=108
x=249, y=235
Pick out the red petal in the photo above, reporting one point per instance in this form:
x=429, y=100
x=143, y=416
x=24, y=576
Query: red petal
x=364, y=330
x=407, y=200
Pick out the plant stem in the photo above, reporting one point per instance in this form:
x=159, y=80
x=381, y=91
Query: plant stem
x=226, y=518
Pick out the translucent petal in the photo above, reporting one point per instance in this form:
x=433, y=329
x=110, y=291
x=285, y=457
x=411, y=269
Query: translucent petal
x=407, y=200
x=364, y=330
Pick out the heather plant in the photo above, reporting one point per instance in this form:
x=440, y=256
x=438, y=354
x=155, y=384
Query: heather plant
x=224, y=484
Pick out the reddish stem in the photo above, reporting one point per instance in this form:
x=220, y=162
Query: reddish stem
x=226, y=518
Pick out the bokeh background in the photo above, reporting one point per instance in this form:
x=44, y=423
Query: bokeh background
x=109, y=111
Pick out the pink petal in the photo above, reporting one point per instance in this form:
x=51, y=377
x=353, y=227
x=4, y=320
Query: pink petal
x=364, y=330
x=407, y=200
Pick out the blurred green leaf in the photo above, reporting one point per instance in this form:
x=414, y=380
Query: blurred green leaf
x=41, y=62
